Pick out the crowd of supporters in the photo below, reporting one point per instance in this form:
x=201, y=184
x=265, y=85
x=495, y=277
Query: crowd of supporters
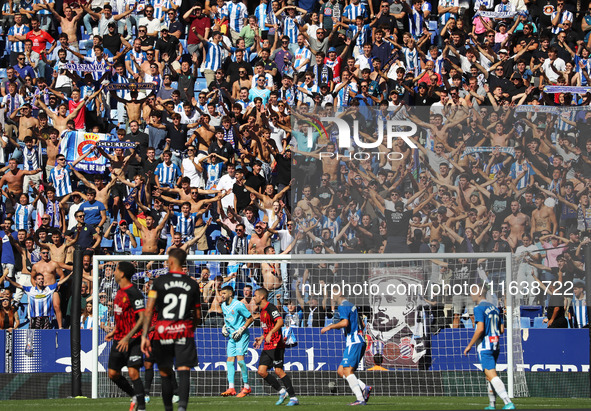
x=230, y=87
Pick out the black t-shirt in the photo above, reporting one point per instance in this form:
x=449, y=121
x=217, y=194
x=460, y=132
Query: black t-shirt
x=177, y=136
x=226, y=150
x=170, y=46
x=538, y=55
x=148, y=42
x=500, y=206
x=144, y=141
x=324, y=195
x=242, y=197
x=283, y=169
x=255, y=181
x=177, y=26
x=150, y=167
x=398, y=222
x=425, y=100
x=112, y=43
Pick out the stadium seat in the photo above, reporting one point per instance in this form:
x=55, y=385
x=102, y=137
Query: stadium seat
x=525, y=322
x=539, y=323
x=531, y=311
x=200, y=84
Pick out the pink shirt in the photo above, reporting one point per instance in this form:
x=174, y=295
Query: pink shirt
x=479, y=28
x=552, y=253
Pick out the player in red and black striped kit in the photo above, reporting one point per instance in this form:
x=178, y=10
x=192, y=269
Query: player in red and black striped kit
x=273, y=349
x=128, y=308
x=176, y=298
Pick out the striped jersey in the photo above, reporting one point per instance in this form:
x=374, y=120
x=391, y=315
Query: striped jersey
x=302, y=54
x=489, y=315
x=580, y=311
x=364, y=36
x=60, y=178
x=235, y=315
x=116, y=78
x=139, y=58
x=290, y=29
x=159, y=6
x=416, y=22
x=236, y=12
x=564, y=16
x=23, y=216
x=344, y=96
x=52, y=209
x=31, y=158
x=517, y=169
x=261, y=14
x=353, y=333
x=18, y=46
x=444, y=17
x=185, y=224
x=214, y=172
x=40, y=301
x=213, y=56
x=412, y=59
x=167, y=175
x=353, y=11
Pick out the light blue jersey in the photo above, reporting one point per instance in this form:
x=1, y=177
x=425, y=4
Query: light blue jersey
x=235, y=315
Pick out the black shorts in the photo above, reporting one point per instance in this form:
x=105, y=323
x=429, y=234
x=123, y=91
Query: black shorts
x=180, y=352
x=272, y=358
x=130, y=358
x=119, y=190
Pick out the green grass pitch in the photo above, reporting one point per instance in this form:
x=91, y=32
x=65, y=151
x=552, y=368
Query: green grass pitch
x=307, y=403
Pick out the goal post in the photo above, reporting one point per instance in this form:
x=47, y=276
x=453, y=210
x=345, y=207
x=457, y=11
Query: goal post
x=420, y=348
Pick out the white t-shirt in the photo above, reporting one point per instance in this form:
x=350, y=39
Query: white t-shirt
x=226, y=183
x=550, y=73
x=190, y=171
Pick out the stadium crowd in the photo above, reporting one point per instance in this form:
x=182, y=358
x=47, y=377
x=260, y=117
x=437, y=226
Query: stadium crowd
x=214, y=100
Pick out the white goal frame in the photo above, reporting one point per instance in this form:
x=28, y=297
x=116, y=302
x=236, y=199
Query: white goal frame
x=306, y=258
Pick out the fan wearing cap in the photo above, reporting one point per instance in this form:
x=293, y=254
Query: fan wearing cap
x=334, y=62
x=171, y=45
x=123, y=239
x=517, y=85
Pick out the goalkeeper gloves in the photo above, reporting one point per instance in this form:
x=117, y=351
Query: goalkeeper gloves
x=236, y=336
x=225, y=332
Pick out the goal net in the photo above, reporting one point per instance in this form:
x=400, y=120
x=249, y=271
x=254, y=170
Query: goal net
x=415, y=309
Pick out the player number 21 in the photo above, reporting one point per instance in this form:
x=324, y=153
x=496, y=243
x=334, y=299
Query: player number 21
x=171, y=301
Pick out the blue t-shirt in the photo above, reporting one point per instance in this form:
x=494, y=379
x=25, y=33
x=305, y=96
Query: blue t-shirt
x=92, y=211
x=7, y=252
x=235, y=315
x=489, y=315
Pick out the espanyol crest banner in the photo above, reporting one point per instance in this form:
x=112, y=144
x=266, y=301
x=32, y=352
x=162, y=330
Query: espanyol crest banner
x=77, y=143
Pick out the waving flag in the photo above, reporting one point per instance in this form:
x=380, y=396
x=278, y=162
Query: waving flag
x=77, y=143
